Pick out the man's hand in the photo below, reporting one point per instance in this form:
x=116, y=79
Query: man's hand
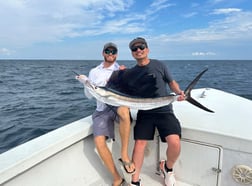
x=122, y=67
x=182, y=96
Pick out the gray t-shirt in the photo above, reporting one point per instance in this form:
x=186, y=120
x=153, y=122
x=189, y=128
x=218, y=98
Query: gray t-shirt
x=147, y=81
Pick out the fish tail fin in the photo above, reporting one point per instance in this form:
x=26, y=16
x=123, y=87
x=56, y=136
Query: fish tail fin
x=189, y=89
x=197, y=104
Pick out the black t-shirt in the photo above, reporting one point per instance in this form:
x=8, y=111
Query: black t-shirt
x=147, y=81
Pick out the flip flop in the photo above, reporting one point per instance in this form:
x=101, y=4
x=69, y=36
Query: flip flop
x=123, y=182
x=124, y=164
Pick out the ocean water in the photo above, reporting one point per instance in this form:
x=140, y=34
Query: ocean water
x=37, y=96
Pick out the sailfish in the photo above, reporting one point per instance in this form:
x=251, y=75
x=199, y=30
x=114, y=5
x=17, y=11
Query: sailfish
x=116, y=98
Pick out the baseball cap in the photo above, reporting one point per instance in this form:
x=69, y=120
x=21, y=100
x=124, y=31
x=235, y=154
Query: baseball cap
x=137, y=40
x=110, y=44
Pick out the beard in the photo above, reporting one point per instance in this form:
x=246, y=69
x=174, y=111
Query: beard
x=110, y=58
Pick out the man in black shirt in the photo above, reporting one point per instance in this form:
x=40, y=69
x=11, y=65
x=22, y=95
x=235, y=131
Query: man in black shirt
x=149, y=79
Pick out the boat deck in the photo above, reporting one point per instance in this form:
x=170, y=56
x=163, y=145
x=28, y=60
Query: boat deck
x=150, y=178
x=150, y=174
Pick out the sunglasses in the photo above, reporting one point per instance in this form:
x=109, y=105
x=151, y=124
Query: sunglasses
x=141, y=47
x=113, y=52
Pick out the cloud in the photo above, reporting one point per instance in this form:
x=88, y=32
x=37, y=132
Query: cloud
x=127, y=21
x=191, y=14
x=226, y=11
x=216, y=1
x=230, y=28
x=203, y=54
x=5, y=51
x=115, y=26
x=28, y=22
x=158, y=5
x=36, y=25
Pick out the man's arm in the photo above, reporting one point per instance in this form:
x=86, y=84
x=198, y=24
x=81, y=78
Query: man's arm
x=174, y=86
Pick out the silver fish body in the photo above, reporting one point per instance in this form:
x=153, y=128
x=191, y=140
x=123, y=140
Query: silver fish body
x=111, y=97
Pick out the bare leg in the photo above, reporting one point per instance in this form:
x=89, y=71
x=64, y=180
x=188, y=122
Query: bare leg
x=138, y=158
x=124, y=130
x=107, y=158
x=173, y=150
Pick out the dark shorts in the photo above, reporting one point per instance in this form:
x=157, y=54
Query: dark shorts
x=103, y=122
x=166, y=124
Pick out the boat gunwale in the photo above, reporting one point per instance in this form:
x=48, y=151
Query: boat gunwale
x=27, y=155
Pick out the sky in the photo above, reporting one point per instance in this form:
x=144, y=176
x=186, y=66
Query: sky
x=78, y=29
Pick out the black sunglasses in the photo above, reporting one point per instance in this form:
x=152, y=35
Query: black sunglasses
x=141, y=47
x=113, y=52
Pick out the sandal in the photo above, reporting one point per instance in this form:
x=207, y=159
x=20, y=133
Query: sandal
x=124, y=164
x=123, y=182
